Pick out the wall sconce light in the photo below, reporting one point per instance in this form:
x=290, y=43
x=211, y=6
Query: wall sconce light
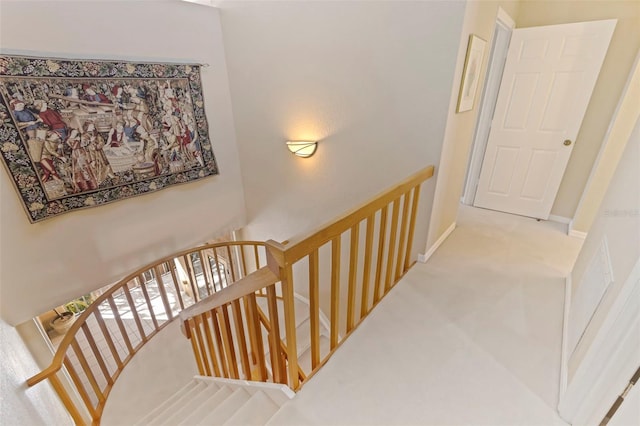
x=302, y=149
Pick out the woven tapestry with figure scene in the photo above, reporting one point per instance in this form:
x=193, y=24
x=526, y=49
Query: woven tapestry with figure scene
x=78, y=133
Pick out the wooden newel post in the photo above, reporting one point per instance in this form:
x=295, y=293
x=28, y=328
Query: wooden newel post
x=275, y=257
x=276, y=261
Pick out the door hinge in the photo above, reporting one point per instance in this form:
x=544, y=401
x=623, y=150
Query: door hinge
x=619, y=400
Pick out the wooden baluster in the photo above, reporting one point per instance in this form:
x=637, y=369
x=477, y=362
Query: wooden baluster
x=366, y=273
x=87, y=370
x=193, y=326
x=256, y=256
x=143, y=287
x=227, y=339
x=176, y=283
x=255, y=334
x=193, y=280
x=314, y=308
x=213, y=263
x=66, y=400
x=205, y=269
x=353, y=273
x=215, y=269
x=201, y=345
x=136, y=317
x=240, y=338
x=209, y=337
x=243, y=261
x=301, y=376
x=232, y=265
x=121, y=327
x=412, y=226
x=223, y=284
x=108, y=338
x=381, y=245
x=277, y=357
x=288, y=300
x=216, y=333
x=392, y=245
x=401, y=244
x=82, y=391
x=96, y=352
x=163, y=292
x=335, y=291
x=250, y=343
x=276, y=262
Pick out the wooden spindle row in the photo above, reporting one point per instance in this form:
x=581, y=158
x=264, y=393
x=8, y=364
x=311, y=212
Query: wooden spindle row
x=387, y=242
x=393, y=229
x=228, y=341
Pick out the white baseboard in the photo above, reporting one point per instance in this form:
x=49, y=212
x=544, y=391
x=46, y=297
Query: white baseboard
x=577, y=234
x=424, y=257
x=559, y=219
x=564, y=357
x=249, y=385
x=573, y=233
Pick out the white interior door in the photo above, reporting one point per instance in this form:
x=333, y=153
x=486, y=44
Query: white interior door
x=548, y=79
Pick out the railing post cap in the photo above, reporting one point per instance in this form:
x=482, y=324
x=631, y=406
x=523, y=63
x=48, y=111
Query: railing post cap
x=276, y=245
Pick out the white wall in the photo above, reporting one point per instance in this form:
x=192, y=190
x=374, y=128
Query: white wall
x=45, y=264
x=618, y=221
x=19, y=404
x=626, y=114
x=603, y=351
x=370, y=80
x=480, y=19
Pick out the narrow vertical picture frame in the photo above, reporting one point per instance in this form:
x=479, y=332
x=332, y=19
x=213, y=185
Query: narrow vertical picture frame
x=471, y=73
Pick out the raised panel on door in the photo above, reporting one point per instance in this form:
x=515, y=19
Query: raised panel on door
x=521, y=94
x=505, y=162
x=541, y=163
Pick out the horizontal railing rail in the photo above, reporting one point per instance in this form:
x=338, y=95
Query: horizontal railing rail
x=105, y=337
x=299, y=246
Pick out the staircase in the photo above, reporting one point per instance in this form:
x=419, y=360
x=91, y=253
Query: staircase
x=346, y=267
x=220, y=401
x=216, y=401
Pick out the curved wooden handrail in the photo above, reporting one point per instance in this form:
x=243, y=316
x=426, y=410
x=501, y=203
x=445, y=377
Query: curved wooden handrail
x=237, y=267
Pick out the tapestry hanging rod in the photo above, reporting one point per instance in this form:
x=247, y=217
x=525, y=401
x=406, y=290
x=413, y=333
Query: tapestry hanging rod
x=132, y=61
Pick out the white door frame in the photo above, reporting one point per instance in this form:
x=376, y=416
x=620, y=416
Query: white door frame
x=610, y=361
x=493, y=78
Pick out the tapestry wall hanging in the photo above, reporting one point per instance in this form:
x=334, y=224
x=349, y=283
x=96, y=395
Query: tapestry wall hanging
x=82, y=133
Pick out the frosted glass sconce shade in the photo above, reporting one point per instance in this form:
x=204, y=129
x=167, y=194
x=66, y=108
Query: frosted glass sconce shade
x=302, y=148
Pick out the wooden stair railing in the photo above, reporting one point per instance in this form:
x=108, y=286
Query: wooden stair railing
x=355, y=282
x=106, y=336
x=226, y=335
x=223, y=321
x=267, y=326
